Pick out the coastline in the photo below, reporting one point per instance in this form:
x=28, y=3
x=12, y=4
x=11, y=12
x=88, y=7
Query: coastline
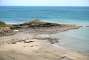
x=76, y=40
x=37, y=44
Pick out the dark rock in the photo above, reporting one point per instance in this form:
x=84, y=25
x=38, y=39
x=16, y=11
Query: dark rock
x=28, y=41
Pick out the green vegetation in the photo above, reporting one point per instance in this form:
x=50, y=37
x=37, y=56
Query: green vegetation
x=2, y=24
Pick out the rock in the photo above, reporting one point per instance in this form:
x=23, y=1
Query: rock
x=65, y=58
x=28, y=41
x=87, y=26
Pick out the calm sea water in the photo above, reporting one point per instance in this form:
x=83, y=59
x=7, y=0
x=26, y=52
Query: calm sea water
x=18, y=14
x=74, y=39
x=77, y=39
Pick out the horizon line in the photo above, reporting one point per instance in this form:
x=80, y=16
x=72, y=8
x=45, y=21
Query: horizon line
x=45, y=5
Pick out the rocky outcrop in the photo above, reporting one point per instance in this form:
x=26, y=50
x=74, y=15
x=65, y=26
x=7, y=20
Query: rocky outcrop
x=37, y=26
x=36, y=23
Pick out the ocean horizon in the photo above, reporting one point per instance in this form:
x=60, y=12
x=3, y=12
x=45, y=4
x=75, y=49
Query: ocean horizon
x=58, y=14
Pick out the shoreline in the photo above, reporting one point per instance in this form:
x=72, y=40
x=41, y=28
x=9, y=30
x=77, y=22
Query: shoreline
x=71, y=48
x=36, y=47
x=37, y=44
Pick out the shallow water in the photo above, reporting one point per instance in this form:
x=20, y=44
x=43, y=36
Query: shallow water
x=77, y=39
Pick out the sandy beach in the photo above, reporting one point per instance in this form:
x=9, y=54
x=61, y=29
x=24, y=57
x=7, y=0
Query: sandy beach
x=36, y=44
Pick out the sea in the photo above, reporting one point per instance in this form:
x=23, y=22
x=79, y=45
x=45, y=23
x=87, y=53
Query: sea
x=19, y=14
x=77, y=39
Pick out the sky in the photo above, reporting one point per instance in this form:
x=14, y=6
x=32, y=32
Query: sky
x=44, y=2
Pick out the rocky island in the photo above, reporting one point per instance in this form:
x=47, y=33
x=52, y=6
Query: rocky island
x=34, y=41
